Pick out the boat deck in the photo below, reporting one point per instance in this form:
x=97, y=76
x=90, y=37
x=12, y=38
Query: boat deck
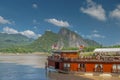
x=104, y=59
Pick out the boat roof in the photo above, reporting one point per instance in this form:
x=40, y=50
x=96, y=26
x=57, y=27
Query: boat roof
x=107, y=50
x=66, y=51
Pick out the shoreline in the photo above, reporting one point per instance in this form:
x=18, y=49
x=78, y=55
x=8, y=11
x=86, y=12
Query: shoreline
x=93, y=74
x=34, y=53
x=59, y=76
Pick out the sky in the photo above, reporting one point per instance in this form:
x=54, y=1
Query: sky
x=98, y=20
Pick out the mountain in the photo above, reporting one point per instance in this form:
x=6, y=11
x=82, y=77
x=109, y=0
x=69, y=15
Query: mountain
x=45, y=42
x=92, y=43
x=9, y=40
x=72, y=38
x=65, y=38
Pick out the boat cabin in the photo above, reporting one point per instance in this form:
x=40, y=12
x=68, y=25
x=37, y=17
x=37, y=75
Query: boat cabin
x=72, y=61
x=66, y=54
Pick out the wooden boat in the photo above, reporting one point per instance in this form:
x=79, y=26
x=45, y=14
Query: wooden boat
x=70, y=61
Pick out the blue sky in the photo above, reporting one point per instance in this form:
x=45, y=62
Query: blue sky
x=94, y=19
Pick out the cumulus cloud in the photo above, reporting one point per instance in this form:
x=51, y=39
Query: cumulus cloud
x=48, y=30
x=59, y=23
x=95, y=36
x=35, y=6
x=76, y=31
x=95, y=31
x=9, y=30
x=30, y=34
x=94, y=10
x=117, y=43
x=34, y=21
x=115, y=13
x=35, y=27
x=27, y=33
x=4, y=21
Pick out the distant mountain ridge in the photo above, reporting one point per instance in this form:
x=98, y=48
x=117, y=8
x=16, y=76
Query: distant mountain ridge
x=9, y=40
x=64, y=38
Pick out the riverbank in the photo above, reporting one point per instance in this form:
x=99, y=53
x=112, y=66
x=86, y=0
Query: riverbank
x=60, y=76
x=34, y=60
x=34, y=53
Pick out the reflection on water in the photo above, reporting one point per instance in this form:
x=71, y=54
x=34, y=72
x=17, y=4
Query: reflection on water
x=11, y=71
x=22, y=67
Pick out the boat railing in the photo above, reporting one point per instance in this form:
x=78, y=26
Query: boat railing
x=115, y=70
x=66, y=69
x=88, y=58
x=98, y=69
x=81, y=69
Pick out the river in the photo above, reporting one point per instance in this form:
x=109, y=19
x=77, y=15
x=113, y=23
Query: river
x=22, y=67
x=32, y=67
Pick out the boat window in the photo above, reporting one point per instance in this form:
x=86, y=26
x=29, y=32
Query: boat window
x=66, y=65
x=98, y=65
x=98, y=68
x=114, y=66
x=119, y=66
x=81, y=65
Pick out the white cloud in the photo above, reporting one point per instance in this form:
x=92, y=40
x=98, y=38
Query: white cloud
x=35, y=27
x=34, y=21
x=28, y=33
x=94, y=10
x=117, y=43
x=59, y=23
x=95, y=31
x=48, y=30
x=4, y=21
x=35, y=6
x=115, y=13
x=95, y=36
x=9, y=30
x=76, y=31
x=83, y=35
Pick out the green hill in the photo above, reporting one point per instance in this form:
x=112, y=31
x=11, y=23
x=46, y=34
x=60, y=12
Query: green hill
x=65, y=38
x=45, y=42
x=92, y=43
x=9, y=40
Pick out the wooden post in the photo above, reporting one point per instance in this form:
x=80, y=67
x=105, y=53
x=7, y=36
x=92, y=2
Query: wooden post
x=46, y=65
